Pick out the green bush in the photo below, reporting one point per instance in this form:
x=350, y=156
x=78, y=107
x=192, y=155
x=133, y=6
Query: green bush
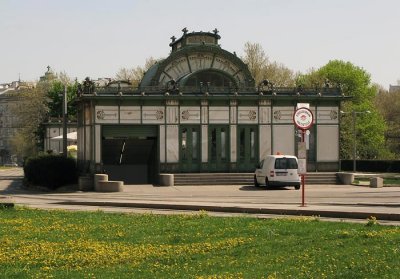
x=50, y=171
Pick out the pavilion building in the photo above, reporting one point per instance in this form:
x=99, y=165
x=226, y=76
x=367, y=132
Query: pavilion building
x=199, y=110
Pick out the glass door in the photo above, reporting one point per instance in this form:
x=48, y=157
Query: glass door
x=247, y=142
x=218, y=148
x=189, y=145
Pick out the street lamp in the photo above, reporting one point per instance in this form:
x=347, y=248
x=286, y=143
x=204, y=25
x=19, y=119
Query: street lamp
x=64, y=120
x=354, y=118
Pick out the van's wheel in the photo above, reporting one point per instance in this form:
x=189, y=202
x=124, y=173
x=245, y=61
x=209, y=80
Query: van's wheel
x=266, y=183
x=297, y=187
x=256, y=184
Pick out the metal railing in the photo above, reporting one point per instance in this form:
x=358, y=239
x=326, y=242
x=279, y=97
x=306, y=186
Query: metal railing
x=211, y=90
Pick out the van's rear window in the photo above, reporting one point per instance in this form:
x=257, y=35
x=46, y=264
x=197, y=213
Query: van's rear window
x=285, y=163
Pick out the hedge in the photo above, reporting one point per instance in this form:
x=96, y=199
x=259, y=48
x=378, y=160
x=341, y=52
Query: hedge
x=50, y=171
x=371, y=165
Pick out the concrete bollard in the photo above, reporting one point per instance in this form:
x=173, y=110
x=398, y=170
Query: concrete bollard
x=99, y=177
x=110, y=186
x=166, y=179
x=376, y=182
x=346, y=178
x=85, y=183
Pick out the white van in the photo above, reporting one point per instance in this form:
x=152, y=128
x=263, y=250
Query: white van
x=277, y=170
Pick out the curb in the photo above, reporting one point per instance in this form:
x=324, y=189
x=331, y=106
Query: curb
x=6, y=203
x=249, y=210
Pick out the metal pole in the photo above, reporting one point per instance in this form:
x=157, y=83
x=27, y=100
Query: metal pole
x=65, y=122
x=302, y=177
x=354, y=141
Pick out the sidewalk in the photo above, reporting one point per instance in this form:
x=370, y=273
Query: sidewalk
x=333, y=201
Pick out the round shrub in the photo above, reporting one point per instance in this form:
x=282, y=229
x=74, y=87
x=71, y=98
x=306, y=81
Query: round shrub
x=50, y=171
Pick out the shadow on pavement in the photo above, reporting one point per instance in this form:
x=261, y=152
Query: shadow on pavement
x=253, y=188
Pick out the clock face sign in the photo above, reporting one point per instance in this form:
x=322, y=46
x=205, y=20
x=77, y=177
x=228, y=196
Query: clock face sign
x=303, y=118
x=186, y=65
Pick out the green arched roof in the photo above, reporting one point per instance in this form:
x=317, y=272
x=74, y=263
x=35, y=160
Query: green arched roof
x=153, y=76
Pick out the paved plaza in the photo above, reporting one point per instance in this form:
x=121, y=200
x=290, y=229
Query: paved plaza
x=330, y=201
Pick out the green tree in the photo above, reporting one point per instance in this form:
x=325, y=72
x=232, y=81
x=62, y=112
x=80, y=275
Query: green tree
x=262, y=68
x=388, y=104
x=135, y=75
x=35, y=106
x=55, y=99
x=32, y=110
x=370, y=127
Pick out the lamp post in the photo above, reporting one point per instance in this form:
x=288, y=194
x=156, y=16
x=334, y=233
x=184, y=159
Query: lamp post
x=354, y=120
x=64, y=112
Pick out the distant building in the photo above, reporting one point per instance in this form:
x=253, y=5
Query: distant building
x=394, y=88
x=9, y=97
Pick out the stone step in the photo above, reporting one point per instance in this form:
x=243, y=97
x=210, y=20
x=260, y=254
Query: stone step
x=242, y=178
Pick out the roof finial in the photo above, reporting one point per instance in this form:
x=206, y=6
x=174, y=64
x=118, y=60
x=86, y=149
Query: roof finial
x=173, y=38
x=215, y=31
x=48, y=68
x=184, y=30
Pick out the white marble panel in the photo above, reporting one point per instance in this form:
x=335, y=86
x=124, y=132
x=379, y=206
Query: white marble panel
x=283, y=139
x=162, y=143
x=265, y=115
x=189, y=115
x=219, y=115
x=233, y=115
x=283, y=114
x=106, y=114
x=204, y=115
x=88, y=143
x=204, y=143
x=53, y=132
x=328, y=143
x=55, y=146
x=153, y=115
x=247, y=115
x=97, y=141
x=172, y=114
x=130, y=114
x=233, y=129
x=88, y=114
x=172, y=143
x=327, y=115
x=265, y=141
x=81, y=143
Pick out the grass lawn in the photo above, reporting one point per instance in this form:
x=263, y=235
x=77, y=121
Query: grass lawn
x=61, y=244
x=387, y=181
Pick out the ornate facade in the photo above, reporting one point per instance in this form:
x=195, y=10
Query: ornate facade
x=199, y=110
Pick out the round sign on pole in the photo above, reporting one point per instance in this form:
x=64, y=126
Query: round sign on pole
x=303, y=118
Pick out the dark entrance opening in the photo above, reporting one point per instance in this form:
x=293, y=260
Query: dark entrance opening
x=189, y=148
x=247, y=143
x=130, y=156
x=218, y=148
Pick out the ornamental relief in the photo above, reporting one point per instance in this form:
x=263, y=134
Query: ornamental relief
x=247, y=115
x=251, y=115
x=333, y=115
x=106, y=114
x=153, y=115
x=101, y=115
x=190, y=114
x=328, y=115
x=283, y=115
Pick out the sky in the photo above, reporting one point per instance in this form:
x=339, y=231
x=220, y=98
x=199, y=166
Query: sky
x=96, y=38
